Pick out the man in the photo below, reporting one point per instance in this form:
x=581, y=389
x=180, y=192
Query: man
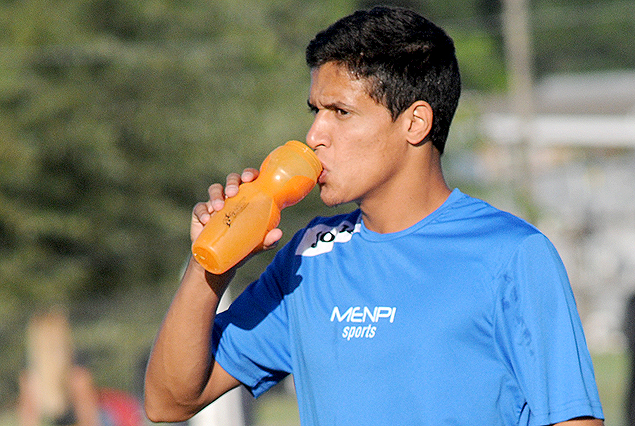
x=424, y=306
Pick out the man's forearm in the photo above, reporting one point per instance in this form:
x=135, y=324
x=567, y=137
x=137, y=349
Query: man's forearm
x=180, y=366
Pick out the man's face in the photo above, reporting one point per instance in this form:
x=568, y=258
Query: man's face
x=355, y=138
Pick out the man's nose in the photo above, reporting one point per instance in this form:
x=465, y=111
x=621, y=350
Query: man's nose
x=317, y=135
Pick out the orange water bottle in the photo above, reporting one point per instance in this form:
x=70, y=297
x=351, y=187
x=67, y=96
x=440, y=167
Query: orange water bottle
x=286, y=176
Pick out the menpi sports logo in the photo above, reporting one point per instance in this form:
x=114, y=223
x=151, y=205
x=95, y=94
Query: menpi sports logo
x=364, y=320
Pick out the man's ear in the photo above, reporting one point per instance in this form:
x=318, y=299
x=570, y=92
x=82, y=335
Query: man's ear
x=419, y=116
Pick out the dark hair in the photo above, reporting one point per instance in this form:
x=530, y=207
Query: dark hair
x=404, y=57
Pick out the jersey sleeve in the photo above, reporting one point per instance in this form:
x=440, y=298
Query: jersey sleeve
x=540, y=337
x=250, y=340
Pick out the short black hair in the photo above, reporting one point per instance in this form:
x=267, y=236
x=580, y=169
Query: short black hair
x=404, y=57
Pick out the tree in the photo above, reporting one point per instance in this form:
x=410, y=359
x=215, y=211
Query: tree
x=115, y=116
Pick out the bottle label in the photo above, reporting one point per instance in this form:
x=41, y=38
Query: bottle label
x=230, y=215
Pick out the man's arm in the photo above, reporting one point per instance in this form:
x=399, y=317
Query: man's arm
x=182, y=377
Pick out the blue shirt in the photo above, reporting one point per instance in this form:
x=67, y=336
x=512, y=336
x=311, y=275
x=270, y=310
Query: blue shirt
x=465, y=318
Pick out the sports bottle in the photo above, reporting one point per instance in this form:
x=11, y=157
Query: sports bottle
x=286, y=176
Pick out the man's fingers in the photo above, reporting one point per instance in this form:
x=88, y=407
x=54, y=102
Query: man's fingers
x=249, y=174
x=200, y=216
x=232, y=184
x=216, y=197
x=272, y=238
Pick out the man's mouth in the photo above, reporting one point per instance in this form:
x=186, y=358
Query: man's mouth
x=322, y=176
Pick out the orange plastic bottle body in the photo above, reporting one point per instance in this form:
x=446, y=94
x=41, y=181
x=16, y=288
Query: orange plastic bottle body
x=287, y=175
x=235, y=231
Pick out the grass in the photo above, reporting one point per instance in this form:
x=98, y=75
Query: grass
x=280, y=409
x=611, y=375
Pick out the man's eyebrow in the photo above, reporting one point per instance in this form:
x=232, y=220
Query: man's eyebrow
x=311, y=106
x=335, y=105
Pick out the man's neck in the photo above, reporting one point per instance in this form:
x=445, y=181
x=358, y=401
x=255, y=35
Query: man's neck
x=405, y=209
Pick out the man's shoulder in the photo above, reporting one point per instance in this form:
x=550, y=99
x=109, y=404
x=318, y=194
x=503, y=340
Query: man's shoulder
x=477, y=216
x=493, y=235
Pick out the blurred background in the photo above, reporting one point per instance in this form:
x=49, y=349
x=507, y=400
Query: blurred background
x=115, y=116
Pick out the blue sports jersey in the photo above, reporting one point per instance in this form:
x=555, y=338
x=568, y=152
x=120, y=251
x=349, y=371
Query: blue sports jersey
x=465, y=318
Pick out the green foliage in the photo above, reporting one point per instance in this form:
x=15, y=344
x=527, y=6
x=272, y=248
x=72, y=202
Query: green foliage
x=590, y=35
x=112, y=130
x=114, y=118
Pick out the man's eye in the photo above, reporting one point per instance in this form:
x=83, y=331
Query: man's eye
x=341, y=112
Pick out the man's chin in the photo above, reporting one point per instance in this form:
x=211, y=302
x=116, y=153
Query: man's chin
x=329, y=201
x=332, y=201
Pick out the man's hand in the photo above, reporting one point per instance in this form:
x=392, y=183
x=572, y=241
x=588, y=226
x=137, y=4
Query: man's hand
x=217, y=195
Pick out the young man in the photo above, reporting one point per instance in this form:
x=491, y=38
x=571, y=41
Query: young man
x=423, y=306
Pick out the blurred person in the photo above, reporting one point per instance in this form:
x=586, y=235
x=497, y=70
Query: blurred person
x=422, y=306
x=55, y=391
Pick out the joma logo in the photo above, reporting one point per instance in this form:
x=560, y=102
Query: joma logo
x=320, y=238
